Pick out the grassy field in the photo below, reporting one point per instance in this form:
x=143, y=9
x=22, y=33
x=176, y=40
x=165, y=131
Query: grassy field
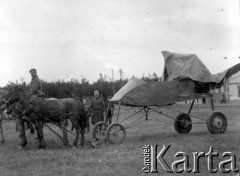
x=126, y=158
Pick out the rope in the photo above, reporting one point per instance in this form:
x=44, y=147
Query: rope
x=131, y=115
x=184, y=113
x=134, y=120
x=172, y=117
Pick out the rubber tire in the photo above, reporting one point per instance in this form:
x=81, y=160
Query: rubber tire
x=212, y=126
x=179, y=126
x=109, y=130
x=96, y=127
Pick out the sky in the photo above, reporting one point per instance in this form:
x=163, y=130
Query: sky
x=65, y=39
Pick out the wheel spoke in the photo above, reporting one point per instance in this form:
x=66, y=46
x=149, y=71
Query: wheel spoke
x=116, y=133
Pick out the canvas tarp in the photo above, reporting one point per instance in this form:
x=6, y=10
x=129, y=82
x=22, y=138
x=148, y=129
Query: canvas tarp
x=125, y=90
x=185, y=65
x=190, y=66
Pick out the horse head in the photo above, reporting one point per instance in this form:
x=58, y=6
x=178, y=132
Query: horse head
x=17, y=94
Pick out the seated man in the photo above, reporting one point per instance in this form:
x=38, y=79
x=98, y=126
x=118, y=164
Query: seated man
x=36, y=84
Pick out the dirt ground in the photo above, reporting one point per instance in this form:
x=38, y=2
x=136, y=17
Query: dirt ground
x=126, y=158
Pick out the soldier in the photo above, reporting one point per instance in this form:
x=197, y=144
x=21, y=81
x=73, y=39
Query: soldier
x=36, y=84
x=110, y=108
x=97, y=108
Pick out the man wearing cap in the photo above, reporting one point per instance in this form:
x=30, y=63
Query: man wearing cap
x=36, y=84
x=97, y=108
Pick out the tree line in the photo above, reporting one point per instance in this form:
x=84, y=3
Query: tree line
x=82, y=88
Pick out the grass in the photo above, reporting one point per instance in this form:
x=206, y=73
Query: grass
x=126, y=158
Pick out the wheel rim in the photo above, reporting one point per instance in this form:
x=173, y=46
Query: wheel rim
x=116, y=134
x=217, y=123
x=101, y=132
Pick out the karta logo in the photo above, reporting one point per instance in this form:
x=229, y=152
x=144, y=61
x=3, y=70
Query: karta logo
x=153, y=159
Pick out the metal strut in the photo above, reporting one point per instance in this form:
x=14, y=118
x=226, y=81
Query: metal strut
x=211, y=100
x=146, y=110
x=190, y=109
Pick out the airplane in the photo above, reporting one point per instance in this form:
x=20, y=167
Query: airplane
x=185, y=78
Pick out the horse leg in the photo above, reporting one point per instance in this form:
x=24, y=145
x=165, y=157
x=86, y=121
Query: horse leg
x=22, y=136
x=82, y=124
x=64, y=131
x=31, y=128
x=76, y=126
x=82, y=131
x=2, y=140
x=40, y=135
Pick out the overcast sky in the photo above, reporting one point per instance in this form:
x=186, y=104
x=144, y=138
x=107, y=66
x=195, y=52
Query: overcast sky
x=66, y=39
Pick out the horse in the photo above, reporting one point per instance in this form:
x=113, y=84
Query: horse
x=8, y=113
x=41, y=111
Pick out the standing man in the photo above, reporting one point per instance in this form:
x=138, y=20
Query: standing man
x=36, y=84
x=110, y=108
x=97, y=108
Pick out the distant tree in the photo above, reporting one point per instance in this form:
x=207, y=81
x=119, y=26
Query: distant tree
x=121, y=73
x=155, y=77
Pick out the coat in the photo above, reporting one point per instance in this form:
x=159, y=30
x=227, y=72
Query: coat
x=97, y=107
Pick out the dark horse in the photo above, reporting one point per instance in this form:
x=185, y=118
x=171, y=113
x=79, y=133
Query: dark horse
x=13, y=110
x=41, y=111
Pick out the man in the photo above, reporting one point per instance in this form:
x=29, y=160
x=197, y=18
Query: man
x=36, y=84
x=223, y=99
x=97, y=108
x=110, y=108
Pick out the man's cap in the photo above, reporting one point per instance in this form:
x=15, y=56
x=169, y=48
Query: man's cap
x=31, y=70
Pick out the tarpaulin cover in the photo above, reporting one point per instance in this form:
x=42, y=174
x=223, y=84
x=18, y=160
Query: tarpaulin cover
x=190, y=66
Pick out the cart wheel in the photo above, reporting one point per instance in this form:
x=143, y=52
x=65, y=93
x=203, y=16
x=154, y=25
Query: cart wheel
x=183, y=123
x=99, y=131
x=116, y=133
x=217, y=123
